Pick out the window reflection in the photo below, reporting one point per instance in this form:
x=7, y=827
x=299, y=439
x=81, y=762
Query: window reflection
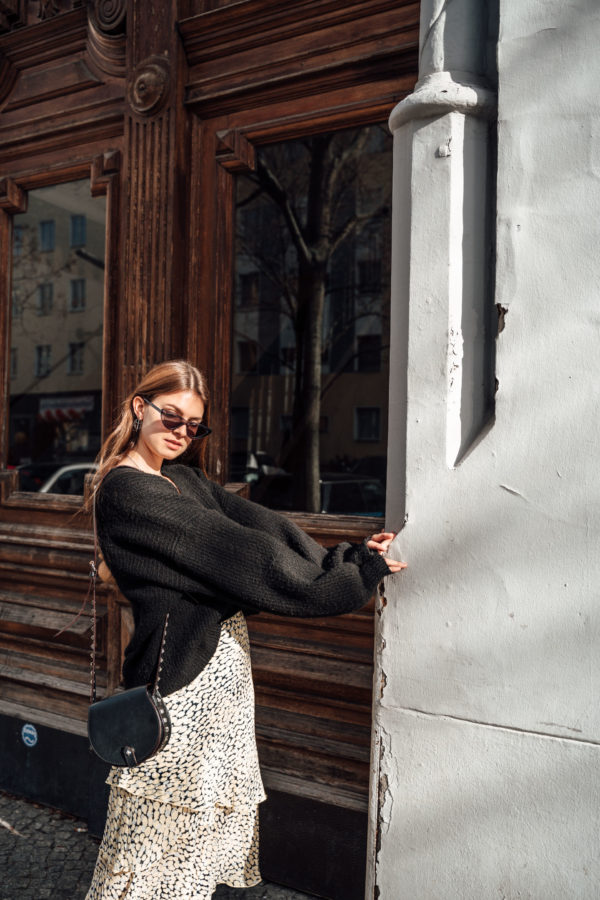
x=56, y=337
x=311, y=323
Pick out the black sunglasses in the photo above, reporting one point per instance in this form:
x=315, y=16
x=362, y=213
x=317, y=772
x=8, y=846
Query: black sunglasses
x=172, y=421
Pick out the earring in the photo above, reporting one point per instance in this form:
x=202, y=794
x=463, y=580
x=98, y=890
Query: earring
x=137, y=424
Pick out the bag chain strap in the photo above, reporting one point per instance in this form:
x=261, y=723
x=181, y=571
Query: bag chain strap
x=93, y=577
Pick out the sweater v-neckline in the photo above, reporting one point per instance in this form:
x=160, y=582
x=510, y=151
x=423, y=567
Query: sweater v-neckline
x=152, y=474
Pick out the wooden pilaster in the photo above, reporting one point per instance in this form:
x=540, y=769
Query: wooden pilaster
x=153, y=198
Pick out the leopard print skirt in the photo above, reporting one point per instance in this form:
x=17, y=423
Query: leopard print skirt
x=187, y=819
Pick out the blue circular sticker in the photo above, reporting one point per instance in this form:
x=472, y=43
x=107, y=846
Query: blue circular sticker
x=29, y=735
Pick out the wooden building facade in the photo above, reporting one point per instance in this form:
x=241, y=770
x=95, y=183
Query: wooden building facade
x=158, y=107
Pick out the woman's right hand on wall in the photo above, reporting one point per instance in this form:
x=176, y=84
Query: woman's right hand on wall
x=381, y=542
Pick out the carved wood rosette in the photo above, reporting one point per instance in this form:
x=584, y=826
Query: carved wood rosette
x=149, y=87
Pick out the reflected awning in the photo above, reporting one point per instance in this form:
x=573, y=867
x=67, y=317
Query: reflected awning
x=65, y=409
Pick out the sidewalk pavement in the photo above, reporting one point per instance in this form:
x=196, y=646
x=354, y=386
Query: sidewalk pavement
x=47, y=854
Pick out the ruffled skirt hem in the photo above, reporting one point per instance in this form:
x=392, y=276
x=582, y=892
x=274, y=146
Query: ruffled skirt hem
x=155, y=851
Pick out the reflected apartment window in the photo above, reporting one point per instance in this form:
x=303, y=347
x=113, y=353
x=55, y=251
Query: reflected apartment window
x=78, y=231
x=368, y=352
x=17, y=305
x=367, y=423
x=75, y=358
x=43, y=355
x=249, y=289
x=240, y=422
x=45, y=299
x=369, y=276
x=77, y=295
x=47, y=235
x=248, y=356
x=18, y=240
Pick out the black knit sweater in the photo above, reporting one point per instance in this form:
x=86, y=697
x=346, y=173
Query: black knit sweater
x=202, y=554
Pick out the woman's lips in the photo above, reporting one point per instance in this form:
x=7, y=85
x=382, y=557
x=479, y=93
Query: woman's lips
x=174, y=444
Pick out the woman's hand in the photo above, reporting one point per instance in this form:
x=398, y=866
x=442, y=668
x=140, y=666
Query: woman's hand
x=381, y=542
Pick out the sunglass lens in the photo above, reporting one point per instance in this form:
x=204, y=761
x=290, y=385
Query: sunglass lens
x=194, y=429
x=172, y=422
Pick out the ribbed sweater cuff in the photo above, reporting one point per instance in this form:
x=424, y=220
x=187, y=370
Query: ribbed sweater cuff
x=373, y=566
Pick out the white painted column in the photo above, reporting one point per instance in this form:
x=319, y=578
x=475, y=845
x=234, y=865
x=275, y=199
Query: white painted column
x=440, y=370
x=486, y=775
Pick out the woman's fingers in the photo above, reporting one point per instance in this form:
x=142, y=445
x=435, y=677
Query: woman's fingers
x=383, y=536
x=394, y=565
x=381, y=541
x=375, y=545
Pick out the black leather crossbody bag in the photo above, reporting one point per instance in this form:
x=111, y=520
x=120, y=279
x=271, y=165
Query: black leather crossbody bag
x=130, y=726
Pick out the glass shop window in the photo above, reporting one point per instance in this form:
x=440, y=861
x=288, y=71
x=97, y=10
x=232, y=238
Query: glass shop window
x=54, y=419
x=311, y=323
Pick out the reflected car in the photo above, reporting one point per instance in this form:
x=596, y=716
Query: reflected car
x=33, y=475
x=348, y=494
x=69, y=479
x=252, y=465
x=342, y=493
x=373, y=466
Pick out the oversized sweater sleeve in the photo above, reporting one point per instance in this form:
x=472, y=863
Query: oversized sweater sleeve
x=185, y=544
x=246, y=512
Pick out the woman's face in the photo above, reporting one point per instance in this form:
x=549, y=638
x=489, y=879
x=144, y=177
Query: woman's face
x=154, y=439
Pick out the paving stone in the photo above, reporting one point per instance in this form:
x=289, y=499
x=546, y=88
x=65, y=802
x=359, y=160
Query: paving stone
x=54, y=857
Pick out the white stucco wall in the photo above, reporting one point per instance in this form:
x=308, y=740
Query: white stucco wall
x=489, y=655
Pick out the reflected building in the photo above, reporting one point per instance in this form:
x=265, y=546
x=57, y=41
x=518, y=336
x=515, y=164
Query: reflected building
x=57, y=324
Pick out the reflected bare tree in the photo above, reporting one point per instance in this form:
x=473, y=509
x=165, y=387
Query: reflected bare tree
x=323, y=192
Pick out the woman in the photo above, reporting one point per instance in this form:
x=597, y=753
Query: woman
x=177, y=543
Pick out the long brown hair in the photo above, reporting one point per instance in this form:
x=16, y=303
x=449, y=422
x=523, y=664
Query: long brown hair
x=165, y=378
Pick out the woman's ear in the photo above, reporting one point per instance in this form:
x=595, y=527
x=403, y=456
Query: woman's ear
x=138, y=407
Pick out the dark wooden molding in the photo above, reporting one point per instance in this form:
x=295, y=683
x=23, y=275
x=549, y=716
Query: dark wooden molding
x=105, y=168
x=58, y=81
x=70, y=137
x=105, y=180
x=245, y=25
x=18, y=13
x=13, y=14
x=234, y=151
x=8, y=75
x=55, y=38
x=8, y=483
x=55, y=97
x=315, y=47
x=13, y=198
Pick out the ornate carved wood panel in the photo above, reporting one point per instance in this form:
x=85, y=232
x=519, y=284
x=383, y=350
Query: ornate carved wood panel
x=161, y=105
